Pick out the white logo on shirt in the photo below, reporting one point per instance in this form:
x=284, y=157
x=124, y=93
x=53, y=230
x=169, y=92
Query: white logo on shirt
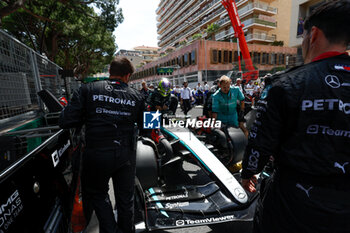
x=336, y=164
x=304, y=189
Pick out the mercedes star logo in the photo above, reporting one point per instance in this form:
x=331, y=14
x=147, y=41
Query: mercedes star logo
x=109, y=88
x=180, y=222
x=240, y=193
x=332, y=81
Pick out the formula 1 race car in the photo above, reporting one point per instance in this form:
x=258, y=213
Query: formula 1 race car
x=192, y=188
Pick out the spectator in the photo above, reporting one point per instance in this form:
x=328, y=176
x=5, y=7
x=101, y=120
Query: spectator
x=186, y=96
x=304, y=124
x=144, y=90
x=206, y=88
x=199, y=87
x=151, y=88
x=300, y=29
x=239, y=84
x=207, y=108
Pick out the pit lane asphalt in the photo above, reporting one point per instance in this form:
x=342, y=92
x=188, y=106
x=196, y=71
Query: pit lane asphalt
x=232, y=227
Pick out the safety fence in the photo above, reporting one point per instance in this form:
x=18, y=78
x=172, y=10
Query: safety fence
x=23, y=73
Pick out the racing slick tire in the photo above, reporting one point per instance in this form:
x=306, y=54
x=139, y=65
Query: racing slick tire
x=239, y=142
x=146, y=163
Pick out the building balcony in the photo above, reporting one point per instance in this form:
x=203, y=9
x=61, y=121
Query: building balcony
x=257, y=7
x=259, y=24
x=254, y=37
x=181, y=14
x=173, y=8
x=193, y=18
x=240, y=2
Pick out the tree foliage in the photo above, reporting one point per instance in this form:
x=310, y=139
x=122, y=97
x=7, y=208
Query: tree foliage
x=212, y=29
x=197, y=36
x=69, y=32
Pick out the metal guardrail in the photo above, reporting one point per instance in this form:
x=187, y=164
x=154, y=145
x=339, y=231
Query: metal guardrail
x=23, y=73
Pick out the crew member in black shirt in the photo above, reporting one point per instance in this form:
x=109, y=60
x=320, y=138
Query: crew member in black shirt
x=111, y=112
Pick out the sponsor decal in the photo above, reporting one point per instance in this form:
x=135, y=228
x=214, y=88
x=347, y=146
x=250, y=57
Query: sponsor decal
x=325, y=104
x=110, y=99
x=58, y=153
x=204, y=221
x=180, y=223
x=306, y=190
x=10, y=210
x=333, y=82
x=342, y=67
x=109, y=88
x=112, y=112
x=253, y=160
x=176, y=205
x=326, y=130
x=240, y=193
x=185, y=195
x=151, y=120
x=341, y=166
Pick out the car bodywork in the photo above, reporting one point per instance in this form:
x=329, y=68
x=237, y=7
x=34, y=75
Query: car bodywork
x=193, y=188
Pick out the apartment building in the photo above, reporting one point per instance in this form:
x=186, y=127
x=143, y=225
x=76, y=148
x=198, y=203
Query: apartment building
x=180, y=21
x=300, y=10
x=140, y=55
x=206, y=60
x=200, y=55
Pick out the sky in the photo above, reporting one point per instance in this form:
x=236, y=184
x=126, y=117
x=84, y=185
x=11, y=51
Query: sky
x=139, y=25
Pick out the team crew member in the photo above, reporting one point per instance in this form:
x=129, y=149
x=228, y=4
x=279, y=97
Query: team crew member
x=109, y=109
x=225, y=102
x=186, y=96
x=304, y=122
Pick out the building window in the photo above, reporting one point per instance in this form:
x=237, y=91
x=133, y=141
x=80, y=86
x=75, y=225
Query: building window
x=264, y=59
x=214, y=56
x=235, y=59
x=219, y=56
x=256, y=58
x=225, y=60
x=281, y=58
x=179, y=61
x=230, y=60
x=185, y=59
x=193, y=57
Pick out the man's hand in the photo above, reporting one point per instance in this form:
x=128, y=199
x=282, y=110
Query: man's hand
x=249, y=184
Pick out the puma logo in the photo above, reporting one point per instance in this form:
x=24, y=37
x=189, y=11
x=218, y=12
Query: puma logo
x=304, y=189
x=336, y=164
x=117, y=142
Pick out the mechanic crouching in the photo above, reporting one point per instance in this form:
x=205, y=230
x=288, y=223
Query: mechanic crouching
x=224, y=103
x=110, y=110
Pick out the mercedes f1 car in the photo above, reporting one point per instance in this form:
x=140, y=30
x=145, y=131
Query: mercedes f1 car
x=192, y=188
